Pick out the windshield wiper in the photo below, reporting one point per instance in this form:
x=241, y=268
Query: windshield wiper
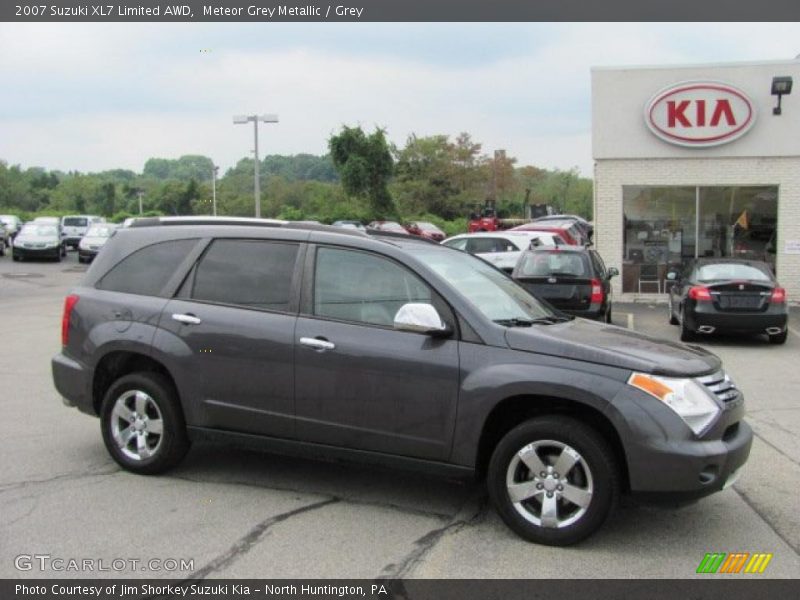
x=515, y=322
x=520, y=322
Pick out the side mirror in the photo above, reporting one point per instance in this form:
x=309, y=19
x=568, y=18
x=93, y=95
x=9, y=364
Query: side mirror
x=420, y=318
x=613, y=272
x=672, y=276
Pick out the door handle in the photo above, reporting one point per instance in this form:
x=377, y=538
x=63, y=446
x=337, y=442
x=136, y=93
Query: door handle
x=187, y=319
x=317, y=344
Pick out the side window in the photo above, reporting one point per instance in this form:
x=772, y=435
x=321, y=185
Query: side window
x=250, y=273
x=459, y=244
x=146, y=271
x=599, y=264
x=482, y=245
x=507, y=246
x=362, y=287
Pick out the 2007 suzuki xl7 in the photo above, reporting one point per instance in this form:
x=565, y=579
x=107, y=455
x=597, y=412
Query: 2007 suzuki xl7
x=340, y=344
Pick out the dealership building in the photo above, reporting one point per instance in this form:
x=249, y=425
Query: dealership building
x=696, y=161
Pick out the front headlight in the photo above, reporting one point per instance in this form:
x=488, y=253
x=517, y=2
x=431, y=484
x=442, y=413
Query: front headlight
x=688, y=398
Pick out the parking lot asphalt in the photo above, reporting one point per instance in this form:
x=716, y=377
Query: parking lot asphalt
x=239, y=513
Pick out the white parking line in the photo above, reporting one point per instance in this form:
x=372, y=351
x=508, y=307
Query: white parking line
x=629, y=319
x=794, y=331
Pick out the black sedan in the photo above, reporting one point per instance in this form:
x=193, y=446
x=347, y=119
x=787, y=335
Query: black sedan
x=727, y=295
x=571, y=278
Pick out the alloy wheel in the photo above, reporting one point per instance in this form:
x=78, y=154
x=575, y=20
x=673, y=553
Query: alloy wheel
x=136, y=425
x=549, y=484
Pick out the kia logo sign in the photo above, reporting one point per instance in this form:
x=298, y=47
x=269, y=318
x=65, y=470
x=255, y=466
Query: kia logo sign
x=699, y=114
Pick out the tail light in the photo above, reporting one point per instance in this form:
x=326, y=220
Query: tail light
x=700, y=293
x=69, y=303
x=597, y=292
x=778, y=296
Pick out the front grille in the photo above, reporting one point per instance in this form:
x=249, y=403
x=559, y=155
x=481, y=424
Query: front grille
x=33, y=245
x=721, y=386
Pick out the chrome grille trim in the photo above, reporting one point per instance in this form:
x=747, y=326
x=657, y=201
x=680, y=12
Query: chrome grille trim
x=721, y=385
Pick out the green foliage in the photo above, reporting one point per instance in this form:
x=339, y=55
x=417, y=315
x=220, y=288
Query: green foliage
x=365, y=165
x=435, y=178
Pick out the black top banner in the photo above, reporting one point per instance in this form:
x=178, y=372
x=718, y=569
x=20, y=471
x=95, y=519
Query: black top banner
x=399, y=10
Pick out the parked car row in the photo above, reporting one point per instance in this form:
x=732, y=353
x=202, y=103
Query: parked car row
x=49, y=237
x=419, y=228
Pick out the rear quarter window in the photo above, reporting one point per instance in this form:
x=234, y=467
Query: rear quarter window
x=146, y=271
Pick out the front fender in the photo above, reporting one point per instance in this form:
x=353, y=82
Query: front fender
x=486, y=381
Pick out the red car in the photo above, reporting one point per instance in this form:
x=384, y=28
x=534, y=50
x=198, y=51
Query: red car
x=426, y=230
x=566, y=230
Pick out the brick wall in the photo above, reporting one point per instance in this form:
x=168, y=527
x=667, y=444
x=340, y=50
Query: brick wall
x=611, y=175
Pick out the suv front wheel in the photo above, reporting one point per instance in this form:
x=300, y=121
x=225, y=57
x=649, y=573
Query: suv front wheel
x=142, y=423
x=553, y=480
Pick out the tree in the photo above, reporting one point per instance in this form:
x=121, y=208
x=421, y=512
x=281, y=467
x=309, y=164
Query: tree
x=365, y=166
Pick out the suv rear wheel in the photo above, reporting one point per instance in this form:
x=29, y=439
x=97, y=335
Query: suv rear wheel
x=142, y=424
x=553, y=480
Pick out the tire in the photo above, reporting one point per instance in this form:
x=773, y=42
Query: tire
x=672, y=319
x=607, y=318
x=779, y=338
x=595, y=471
x=2, y=249
x=687, y=335
x=154, y=395
x=80, y=259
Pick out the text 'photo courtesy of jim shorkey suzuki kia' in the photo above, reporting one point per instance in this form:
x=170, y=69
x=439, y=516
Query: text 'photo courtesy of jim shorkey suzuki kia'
x=388, y=348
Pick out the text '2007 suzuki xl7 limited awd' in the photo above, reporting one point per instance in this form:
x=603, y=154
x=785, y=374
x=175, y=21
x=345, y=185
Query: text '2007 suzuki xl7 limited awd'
x=345, y=345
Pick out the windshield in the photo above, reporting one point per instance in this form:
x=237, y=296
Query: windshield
x=427, y=227
x=724, y=271
x=75, y=221
x=492, y=292
x=391, y=226
x=99, y=231
x=544, y=264
x=38, y=230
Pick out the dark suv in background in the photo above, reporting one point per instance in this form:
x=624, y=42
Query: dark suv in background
x=574, y=280
x=389, y=349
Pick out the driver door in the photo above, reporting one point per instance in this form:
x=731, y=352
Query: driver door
x=359, y=383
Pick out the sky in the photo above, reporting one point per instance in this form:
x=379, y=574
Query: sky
x=98, y=96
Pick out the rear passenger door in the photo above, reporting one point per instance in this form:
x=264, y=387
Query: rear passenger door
x=234, y=317
x=359, y=382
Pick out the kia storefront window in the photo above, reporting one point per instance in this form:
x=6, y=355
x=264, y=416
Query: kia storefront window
x=665, y=226
x=659, y=231
x=738, y=222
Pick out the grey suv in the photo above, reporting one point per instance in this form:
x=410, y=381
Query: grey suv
x=385, y=348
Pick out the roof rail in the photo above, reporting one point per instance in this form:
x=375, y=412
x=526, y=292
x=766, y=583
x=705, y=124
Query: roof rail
x=201, y=220
x=398, y=235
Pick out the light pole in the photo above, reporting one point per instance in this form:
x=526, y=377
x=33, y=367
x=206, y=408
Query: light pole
x=140, y=193
x=242, y=119
x=214, y=170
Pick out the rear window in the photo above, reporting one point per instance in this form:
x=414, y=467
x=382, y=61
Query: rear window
x=76, y=222
x=725, y=271
x=563, y=264
x=146, y=271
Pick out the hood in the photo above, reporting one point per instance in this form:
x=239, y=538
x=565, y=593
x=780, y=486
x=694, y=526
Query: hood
x=93, y=241
x=600, y=343
x=30, y=237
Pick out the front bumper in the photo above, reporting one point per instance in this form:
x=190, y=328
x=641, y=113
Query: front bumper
x=665, y=459
x=72, y=241
x=36, y=252
x=73, y=382
x=87, y=254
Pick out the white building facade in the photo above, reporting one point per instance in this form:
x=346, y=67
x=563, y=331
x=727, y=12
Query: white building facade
x=692, y=162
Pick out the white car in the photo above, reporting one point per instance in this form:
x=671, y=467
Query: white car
x=501, y=248
x=74, y=227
